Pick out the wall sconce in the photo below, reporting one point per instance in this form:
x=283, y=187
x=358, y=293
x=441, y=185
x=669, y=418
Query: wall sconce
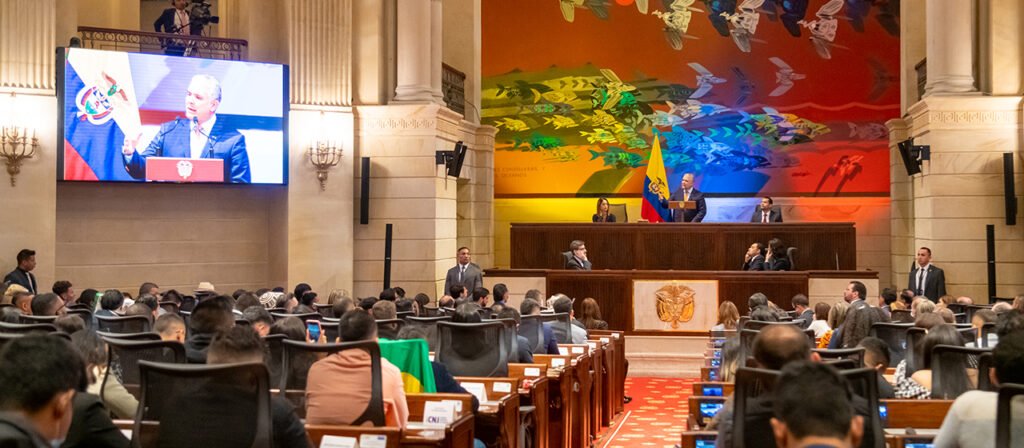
x=15, y=146
x=324, y=156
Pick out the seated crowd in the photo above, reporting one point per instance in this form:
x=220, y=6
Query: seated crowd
x=813, y=403
x=69, y=393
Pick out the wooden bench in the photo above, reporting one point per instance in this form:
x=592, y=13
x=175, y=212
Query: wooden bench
x=617, y=340
x=925, y=414
x=694, y=417
x=698, y=439
x=457, y=434
x=392, y=435
x=706, y=373
x=534, y=390
x=564, y=396
x=581, y=427
x=499, y=413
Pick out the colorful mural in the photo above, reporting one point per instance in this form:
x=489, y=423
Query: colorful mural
x=778, y=97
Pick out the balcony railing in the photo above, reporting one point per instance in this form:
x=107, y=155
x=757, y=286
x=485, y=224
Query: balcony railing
x=156, y=43
x=453, y=86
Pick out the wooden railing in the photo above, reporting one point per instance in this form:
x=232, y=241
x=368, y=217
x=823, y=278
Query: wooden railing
x=453, y=85
x=156, y=43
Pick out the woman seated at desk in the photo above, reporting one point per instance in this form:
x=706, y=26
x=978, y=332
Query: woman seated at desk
x=776, y=259
x=603, y=215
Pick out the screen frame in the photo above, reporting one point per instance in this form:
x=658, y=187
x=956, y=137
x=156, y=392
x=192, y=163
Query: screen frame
x=61, y=61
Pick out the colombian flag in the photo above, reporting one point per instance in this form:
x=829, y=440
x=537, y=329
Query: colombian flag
x=411, y=356
x=655, y=186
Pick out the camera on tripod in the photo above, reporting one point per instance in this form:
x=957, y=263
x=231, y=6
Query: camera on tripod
x=200, y=16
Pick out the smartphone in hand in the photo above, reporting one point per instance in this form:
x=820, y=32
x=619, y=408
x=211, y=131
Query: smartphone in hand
x=313, y=330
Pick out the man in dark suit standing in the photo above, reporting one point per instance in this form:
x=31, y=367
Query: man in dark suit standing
x=926, y=279
x=764, y=213
x=201, y=135
x=686, y=192
x=465, y=273
x=578, y=259
x=175, y=20
x=754, y=260
x=22, y=275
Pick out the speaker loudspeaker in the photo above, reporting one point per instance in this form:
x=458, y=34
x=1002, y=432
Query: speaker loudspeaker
x=364, y=192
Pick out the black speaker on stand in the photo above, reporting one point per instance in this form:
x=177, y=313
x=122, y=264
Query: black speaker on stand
x=387, y=256
x=990, y=257
x=1008, y=189
x=364, y=192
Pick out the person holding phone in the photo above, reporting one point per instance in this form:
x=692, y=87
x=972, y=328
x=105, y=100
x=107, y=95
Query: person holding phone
x=314, y=332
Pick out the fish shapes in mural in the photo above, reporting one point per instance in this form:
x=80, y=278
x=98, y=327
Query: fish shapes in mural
x=705, y=80
x=569, y=7
x=746, y=86
x=618, y=158
x=870, y=131
x=512, y=124
x=784, y=76
x=537, y=142
x=694, y=109
x=599, y=136
x=743, y=24
x=677, y=21
x=600, y=119
x=823, y=30
x=560, y=122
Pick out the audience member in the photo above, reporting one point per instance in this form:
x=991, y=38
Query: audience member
x=388, y=294
x=802, y=306
x=259, y=319
x=10, y=315
x=885, y=300
x=404, y=305
x=22, y=301
x=753, y=260
x=269, y=299
x=535, y=294
x=523, y=353
x=858, y=324
x=245, y=301
x=982, y=317
x=69, y=323
x=730, y=359
x=763, y=314
x=88, y=297
x=338, y=388
x=367, y=303
x=443, y=379
x=170, y=327
x=307, y=303
x=820, y=322
x=480, y=296
x=422, y=301
x=64, y=290
x=458, y=291
x=336, y=295
x=113, y=394
x=12, y=289
x=564, y=305
x=756, y=300
x=446, y=302
x=1018, y=303
x=385, y=310
x=947, y=315
x=1009, y=322
x=928, y=321
x=301, y=289
x=48, y=304
x=1001, y=307
x=531, y=307
x=341, y=306
x=776, y=258
x=877, y=356
x=39, y=375
x=500, y=293
x=577, y=259
x=22, y=274
x=964, y=300
x=110, y=303
x=836, y=317
x=919, y=384
x=287, y=302
x=209, y=318
x=971, y=421
x=921, y=306
x=812, y=407
x=138, y=309
x=149, y=288
x=592, y=315
x=855, y=294
x=728, y=317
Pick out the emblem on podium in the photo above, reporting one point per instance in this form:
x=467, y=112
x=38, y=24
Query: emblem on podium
x=185, y=169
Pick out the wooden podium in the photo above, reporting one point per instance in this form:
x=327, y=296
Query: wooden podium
x=682, y=205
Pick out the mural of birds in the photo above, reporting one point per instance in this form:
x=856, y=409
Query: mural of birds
x=677, y=20
x=823, y=30
x=784, y=76
x=705, y=80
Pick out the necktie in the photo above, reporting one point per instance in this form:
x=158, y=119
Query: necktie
x=920, y=281
x=686, y=195
x=462, y=271
x=764, y=217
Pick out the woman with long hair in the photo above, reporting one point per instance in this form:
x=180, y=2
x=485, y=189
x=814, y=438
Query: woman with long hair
x=603, y=214
x=776, y=259
x=919, y=384
x=836, y=317
x=728, y=317
x=591, y=315
x=94, y=352
x=820, y=322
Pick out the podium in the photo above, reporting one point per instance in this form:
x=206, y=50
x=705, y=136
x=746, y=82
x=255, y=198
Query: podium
x=682, y=205
x=186, y=170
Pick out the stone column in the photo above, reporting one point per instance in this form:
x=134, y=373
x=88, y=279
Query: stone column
x=436, y=50
x=414, y=53
x=27, y=30
x=319, y=222
x=950, y=47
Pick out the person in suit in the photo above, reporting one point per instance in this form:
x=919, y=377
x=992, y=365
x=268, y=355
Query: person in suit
x=175, y=20
x=686, y=192
x=925, y=279
x=22, y=275
x=200, y=135
x=578, y=259
x=802, y=306
x=776, y=259
x=603, y=215
x=764, y=213
x=464, y=273
x=754, y=260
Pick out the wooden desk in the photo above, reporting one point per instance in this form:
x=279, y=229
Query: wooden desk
x=502, y=415
x=613, y=289
x=681, y=246
x=617, y=340
x=458, y=434
x=317, y=432
x=690, y=439
x=926, y=414
x=538, y=395
x=698, y=388
x=564, y=395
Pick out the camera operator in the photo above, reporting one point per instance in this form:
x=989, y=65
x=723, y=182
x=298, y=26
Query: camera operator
x=175, y=20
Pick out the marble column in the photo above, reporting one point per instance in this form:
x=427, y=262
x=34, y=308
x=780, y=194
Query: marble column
x=414, y=53
x=436, y=50
x=950, y=47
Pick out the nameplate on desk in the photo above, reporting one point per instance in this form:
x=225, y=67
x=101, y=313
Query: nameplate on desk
x=502, y=387
x=616, y=335
x=531, y=371
x=578, y=350
x=557, y=362
x=477, y=389
x=607, y=341
x=593, y=345
x=563, y=351
x=373, y=441
x=337, y=442
x=439, y=412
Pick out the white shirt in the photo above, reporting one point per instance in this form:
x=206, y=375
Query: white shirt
x=198, y=141
x=181, y=21
x=764, y=216
x=971, y=421
x=921, y=279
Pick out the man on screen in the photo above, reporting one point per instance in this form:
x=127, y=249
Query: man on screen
x=200, y=135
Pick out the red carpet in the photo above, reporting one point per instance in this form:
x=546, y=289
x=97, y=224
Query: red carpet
x=656, y=416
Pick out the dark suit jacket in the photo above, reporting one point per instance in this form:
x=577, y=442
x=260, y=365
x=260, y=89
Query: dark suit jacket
x=688, y=215
x=755, y=264
x=611, y=218
x=550, y=343
x=777, y=264
x=20, y=277
x=808, y=317
x=91, y=425
x=165, y=23
x=473, y=278
x=934, y=282
x=773, y=215
x=17, y=432
x=173, y=141
x=579, y=265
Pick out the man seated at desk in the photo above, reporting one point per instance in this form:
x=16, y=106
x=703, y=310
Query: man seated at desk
x=687, y=193
x=764, y=213
x=754, y=260
x=577, y=257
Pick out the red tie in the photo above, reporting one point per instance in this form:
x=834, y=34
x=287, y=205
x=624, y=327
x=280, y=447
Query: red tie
x=764, y=217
